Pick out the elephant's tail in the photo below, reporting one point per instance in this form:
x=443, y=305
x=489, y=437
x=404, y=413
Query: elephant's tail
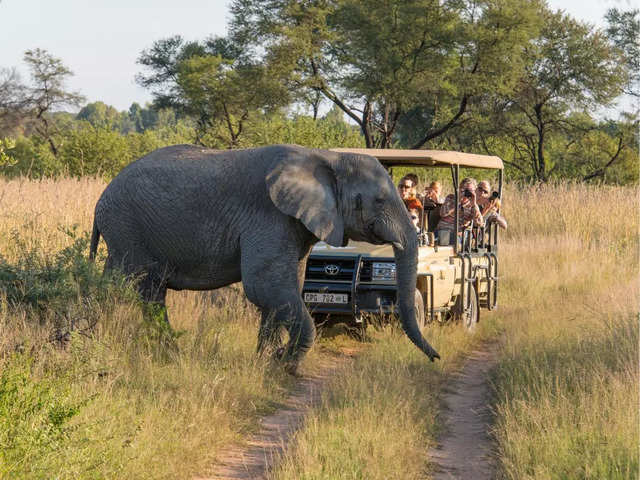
x=95, y=238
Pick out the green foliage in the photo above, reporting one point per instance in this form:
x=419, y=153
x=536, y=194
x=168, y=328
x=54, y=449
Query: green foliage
x=570, y=69
x=35, y=417
x=101, y=115
x=6, y=144
x=303, y=130
x=504, y=77
x=623, y=28
x=31, y=156
x=91, y=150
x=88, y=150
x=213, y=82
x=377, y=61
x=85, y=149
x=142, y=118
x=55, y=284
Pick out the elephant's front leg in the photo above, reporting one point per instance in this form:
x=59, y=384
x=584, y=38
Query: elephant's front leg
x=270, y=335
x=273, y=286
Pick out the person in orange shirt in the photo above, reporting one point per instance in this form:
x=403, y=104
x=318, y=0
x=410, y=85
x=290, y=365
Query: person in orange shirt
x=407, y=189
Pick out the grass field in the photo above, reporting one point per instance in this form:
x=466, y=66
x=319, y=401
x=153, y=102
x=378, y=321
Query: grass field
x=566, y=386
x=106, y=402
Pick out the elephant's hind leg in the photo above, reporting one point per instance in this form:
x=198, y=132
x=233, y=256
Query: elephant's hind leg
x=151, y=283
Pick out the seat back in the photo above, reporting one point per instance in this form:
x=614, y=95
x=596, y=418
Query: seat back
x=434, y=218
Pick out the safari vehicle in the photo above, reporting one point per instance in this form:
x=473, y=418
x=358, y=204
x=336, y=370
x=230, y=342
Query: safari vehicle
x=344, y=284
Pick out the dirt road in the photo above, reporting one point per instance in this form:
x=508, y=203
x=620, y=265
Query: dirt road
x=263, y=449
x=464, y=450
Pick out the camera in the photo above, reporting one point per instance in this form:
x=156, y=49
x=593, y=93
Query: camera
x=467, y=193
x=495, y=195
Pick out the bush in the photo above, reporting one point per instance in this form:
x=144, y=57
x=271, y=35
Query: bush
x=34, y=417
x=303, y=130
x=86, y=150
x=63, y=288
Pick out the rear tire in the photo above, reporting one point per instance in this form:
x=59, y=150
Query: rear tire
x=471, y=316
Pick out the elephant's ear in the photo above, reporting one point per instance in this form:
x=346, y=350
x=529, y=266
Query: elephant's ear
x=304, y=186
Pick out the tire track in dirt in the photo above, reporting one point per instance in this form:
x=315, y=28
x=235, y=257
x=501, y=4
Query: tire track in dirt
x=464, y=450
x=263, y=449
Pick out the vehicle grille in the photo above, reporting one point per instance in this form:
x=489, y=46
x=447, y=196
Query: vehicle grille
x=316, y=269
x=365, y=271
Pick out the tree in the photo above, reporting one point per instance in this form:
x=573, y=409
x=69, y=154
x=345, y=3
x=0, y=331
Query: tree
x=378, y=61
x=13, y=102
x=100, y=115
x=162, y=62
x=214, y=82
x=602, y=149
x=570, y=68
x=623, y=28
x=47, y=93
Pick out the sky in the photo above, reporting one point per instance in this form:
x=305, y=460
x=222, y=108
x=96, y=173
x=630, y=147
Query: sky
x=100, y=40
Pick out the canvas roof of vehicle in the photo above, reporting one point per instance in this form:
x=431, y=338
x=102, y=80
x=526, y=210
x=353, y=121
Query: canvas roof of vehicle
x=427, y=158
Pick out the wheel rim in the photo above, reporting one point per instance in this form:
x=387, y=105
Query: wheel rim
x=420, y=312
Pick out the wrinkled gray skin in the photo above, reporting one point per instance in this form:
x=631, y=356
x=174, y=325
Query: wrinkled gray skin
x=189, y=218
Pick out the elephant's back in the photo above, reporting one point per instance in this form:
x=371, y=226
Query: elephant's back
x=181, y=202
x=173, y=181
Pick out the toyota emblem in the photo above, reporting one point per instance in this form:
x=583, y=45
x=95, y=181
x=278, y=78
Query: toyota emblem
x=331, y=269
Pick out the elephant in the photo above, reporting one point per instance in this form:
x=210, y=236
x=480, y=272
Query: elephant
x=185, y=217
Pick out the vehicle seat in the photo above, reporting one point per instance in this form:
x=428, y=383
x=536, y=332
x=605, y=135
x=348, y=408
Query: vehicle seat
x=433, y=219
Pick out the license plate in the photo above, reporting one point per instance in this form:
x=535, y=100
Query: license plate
x=326, y=297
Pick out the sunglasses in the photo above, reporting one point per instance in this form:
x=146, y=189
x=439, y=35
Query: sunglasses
x=405, y=186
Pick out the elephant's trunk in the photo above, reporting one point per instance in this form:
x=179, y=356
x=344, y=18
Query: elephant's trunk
x=406, y=267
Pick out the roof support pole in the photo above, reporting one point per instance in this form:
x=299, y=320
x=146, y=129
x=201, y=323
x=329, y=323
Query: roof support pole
x=455, y=173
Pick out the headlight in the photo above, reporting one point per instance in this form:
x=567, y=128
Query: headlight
x=384, y=271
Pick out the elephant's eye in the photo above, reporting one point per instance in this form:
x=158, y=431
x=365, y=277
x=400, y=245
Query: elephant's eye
x=379, y=201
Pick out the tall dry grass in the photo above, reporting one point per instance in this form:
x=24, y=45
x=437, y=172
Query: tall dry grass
x=105, y=402
x=37, y=209
x=85, y=391
x=566, y=385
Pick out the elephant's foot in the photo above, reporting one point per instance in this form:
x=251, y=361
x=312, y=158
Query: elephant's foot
x=279, y=353
x=292, y=369
x=288, y=362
